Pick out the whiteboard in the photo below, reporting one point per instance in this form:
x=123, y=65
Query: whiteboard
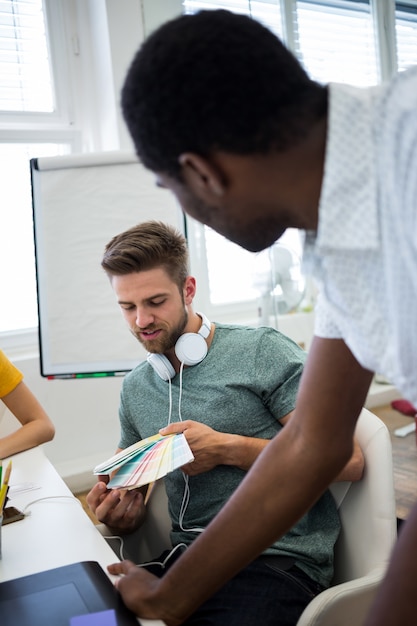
x=79, y=203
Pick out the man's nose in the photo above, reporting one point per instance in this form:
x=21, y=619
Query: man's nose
x=144, y=318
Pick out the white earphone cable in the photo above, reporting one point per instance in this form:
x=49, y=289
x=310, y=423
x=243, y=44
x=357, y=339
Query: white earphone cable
x=180, y=393
x=170, y=401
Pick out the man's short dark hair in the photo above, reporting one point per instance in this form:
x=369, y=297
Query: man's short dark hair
x=216, y=80
x=147, y=246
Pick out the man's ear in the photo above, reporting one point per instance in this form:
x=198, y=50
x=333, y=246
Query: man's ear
x=201, y=176
x=189, y=289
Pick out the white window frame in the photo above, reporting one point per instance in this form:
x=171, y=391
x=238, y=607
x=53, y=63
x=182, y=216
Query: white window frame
x=59, y=125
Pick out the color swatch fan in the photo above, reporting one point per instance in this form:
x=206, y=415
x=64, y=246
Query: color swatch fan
x=146, y=461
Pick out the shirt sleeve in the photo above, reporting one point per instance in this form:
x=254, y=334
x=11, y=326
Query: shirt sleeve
x=280, y=362
x=324, y=324
x=128, y=434
x=10, y=376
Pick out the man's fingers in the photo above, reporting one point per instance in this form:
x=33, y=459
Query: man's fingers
x=124, y=567
x=96, y=495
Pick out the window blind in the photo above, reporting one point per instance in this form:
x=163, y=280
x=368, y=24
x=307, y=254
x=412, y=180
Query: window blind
x=25, y=76
x=406, y=32
x=268, y=12
x=334, y=39
x=336, y=43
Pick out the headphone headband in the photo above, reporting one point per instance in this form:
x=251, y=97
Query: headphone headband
x=205, y=327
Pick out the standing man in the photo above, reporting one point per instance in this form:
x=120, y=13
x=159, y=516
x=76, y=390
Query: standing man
x=230, y=122
x=229, y=389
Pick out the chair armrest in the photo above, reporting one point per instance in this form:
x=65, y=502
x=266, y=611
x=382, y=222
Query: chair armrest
x=344, y=604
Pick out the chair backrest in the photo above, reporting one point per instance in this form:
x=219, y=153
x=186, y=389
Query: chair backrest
x=154, y=534
x=367, y=507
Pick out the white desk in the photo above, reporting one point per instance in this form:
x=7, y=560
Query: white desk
x=57, y=532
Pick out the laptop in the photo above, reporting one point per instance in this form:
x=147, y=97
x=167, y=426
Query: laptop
x=57, y=596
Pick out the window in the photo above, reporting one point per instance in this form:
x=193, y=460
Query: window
x=26, y=76
x=53, y=100
x=336, y=40
x=267, y=12
x=33, y=122
x=17, y=259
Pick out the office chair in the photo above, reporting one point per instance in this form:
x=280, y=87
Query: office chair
x=368, y=533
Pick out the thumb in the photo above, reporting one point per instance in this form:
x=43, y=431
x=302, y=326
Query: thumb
x=121, y=568
x=172, y=429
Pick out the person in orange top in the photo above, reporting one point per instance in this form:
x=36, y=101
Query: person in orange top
x=36, y=426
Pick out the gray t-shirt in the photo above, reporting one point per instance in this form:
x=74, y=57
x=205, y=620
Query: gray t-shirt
x=247, y=382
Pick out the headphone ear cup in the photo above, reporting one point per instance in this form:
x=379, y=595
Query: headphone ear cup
x=191, y=348
x=162, y=366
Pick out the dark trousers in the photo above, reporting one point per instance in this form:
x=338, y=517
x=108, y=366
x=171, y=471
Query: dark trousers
x=262, y=594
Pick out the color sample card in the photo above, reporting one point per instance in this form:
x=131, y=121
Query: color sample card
x=146, y=461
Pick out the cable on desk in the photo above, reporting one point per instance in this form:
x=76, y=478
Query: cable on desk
x=122, y=544
x=72, y=498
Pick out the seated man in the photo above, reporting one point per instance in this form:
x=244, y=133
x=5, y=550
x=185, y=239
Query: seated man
x=36, y=427
x=229, y=389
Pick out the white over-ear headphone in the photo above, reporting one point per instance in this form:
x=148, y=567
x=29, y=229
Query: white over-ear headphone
x=191, y=348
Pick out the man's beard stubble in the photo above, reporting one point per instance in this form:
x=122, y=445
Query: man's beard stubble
x=166, y=340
